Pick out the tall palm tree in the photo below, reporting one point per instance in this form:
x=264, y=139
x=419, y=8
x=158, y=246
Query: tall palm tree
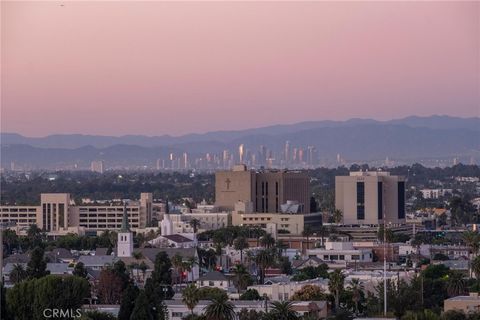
x=307, y=232
x=335, y=285
x=177, y=263
x=240, y=244
x=220, y=309
x=242, y=277
x=190, y=297
x=189, y=264
x=357, y=288
x=267, y=241
x=476, y=267
x=337, y=215
x=195, y=223
x=263, y=259
x=281, y=247
x=472, y=240
x=283, y=310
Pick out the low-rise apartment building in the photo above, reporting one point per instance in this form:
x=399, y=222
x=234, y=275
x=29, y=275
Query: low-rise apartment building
x=57, y=214
x=341, y=251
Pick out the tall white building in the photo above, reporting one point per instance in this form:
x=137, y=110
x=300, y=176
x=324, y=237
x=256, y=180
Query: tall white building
x=365, y=197
x=97, y=166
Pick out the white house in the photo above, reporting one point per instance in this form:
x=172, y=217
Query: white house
x=213, y=279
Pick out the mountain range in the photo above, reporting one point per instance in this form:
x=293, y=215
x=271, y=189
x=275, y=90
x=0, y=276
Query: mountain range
x=409, y=138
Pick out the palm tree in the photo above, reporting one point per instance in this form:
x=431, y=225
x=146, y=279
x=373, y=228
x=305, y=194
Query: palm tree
x=177, y=263
x=472, y=240
x=189, y=264
x=18, y=273
x=240, y=244
x=335, y=285
x=307, y=232
x=190, y=297
x=263, y=259
x=281, y=247
x=455, y=285
x=476, y=267
x=242, y=277
x=143, y=267
x=337, y=215
x=267, y=241
x=220, y=309
x=195, y=223
x=283, y=310
x=357, y=288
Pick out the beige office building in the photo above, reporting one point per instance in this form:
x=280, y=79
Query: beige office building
x=266, y=190
x=57, y=214
x=366, y=197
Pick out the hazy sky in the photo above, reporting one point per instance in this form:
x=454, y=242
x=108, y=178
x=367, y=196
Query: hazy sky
x=156, y=68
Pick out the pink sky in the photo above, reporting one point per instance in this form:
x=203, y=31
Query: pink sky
x=154, y=68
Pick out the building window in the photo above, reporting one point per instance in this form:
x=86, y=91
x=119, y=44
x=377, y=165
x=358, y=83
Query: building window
x=211, y=284
x=361, y=200
x=380, y=200
x=401, y=200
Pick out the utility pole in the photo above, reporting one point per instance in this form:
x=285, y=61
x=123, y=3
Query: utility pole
x=384, y=256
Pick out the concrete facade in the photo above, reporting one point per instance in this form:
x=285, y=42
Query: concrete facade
x=366, y=197
x=57, y=215
x=266, y=190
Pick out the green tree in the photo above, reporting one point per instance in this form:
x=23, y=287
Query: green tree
x=211, y=293
x=357, y=289
x=242, y=278
x=97, y=315
x=80, y=270
x=283, y=310
x=190, y=297
x=46, y=292
x=337, y=216
x=220, y=309
x=37, y=266
x=264, y=259
x=142, y=309
x=195, y=223
x=454, y=315
x=246, y=314
x=128, y=302
x=158, y=285
x=18, y=273
x=309, y=292
x=476, y=267
x=336, y=286
x=240, y=244
x=456, y=285
x=267, y=241
x=307, y=233
x=250, y=294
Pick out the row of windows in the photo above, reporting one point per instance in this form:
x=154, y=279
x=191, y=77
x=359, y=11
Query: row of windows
x=21, y=215
x=92, y=216
x=107, y=220
x=118, y=209
x=19, y=210
x=340, y=257
x=256, y=219
x=104, y=226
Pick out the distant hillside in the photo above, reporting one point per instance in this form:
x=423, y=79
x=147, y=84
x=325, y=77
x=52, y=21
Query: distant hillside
x=357, y=140
x=72, y=141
